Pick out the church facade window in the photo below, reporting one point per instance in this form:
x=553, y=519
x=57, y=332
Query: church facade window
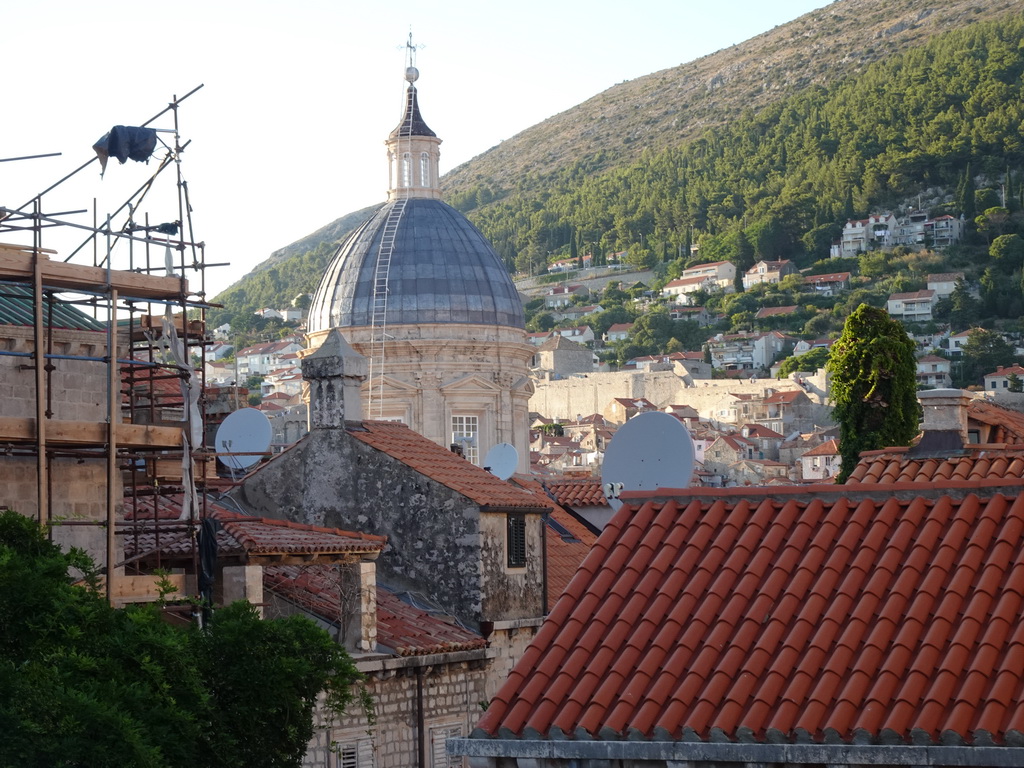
x=466, y=432
x=425, y=180
x=407, y=170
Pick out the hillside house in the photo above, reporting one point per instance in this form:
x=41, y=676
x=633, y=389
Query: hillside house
x=217, y=351
x=768, y=272
x=261, y=359
x=746, y=351
x=721, y=273
x=870, y=234
x=944, y=283
x=831, y=284
x=681, y=289
x=767, y=313
x=576, y=312
x=562, y=295
x=918, y=230
x=618, y=332
x=912, y=307
x=582, y=334
x=698, y=315
x=957, y=341
x=933, y=372
x=999, y=379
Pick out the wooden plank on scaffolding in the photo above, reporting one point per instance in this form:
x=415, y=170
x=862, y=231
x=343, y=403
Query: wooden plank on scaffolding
x=16, y=264
x=86, y=433
x=154, y=325
x=142, y=588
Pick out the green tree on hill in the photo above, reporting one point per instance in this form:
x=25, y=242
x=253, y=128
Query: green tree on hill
x=874, y=385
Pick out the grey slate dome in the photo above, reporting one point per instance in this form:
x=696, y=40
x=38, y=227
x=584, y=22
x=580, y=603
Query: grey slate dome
x=442, y=270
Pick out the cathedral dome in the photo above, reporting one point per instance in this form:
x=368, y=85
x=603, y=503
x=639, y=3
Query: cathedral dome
x=441, y=270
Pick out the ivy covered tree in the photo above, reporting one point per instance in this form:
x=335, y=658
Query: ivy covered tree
x=874, y=385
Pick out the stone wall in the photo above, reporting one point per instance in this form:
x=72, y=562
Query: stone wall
x=565, y=399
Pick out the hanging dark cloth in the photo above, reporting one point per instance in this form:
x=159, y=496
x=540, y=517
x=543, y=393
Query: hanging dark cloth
x=126, y=143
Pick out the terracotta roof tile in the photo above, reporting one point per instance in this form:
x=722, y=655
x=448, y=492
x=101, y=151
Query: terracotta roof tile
x=240, y=537
x=577, y=492
x=827, y=610
x=973, y=462
x=401, y=628
x=440, y=464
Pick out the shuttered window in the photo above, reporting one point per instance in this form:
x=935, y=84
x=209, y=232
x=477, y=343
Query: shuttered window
x=438, y=739
x=516, y=538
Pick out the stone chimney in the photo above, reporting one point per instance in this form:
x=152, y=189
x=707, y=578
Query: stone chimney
x=335, y=373
x=945, y=418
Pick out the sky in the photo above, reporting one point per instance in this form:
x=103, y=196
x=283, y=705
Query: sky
x=287, y=132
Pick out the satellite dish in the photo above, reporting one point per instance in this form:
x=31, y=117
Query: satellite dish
x=501, y=460
x=246, y=431
x=652, y=450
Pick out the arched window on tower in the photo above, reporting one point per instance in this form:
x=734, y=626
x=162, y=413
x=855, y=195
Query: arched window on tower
x=425, y=180
x=407, y=170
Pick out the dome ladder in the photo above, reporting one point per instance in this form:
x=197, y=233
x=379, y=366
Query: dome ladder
x=378, y=317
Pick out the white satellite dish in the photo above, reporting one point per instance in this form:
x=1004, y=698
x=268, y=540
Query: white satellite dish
x=652, y=450
x=501, y=460
x=245, y=433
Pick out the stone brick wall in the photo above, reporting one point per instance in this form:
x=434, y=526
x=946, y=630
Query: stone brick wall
x=454, y=694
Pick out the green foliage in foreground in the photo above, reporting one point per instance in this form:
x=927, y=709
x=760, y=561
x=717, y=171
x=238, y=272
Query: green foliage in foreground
x=86, y=685
x=874, y=385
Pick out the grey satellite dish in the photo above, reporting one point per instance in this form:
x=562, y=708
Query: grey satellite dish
x=652, y=450
x=246, y=433
x=501, y=460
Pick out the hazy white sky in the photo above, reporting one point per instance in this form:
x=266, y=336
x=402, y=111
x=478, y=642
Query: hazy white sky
x=287, y=132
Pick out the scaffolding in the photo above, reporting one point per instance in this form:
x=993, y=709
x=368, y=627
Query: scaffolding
x=140, y=275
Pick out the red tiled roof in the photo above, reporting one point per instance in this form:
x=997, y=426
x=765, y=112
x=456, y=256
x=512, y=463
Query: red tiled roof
x=577, y=492
x=1007, y=426
x=975, y=462
x=764, y=312
x=785, y=396
x=240, y=537
x=786, y=614
x=1006, y=371
x=828, y=448
x=438, y=463
x=401, y=628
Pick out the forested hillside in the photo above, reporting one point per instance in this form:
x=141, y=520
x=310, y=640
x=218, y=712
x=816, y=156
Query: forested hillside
x=906, y=129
